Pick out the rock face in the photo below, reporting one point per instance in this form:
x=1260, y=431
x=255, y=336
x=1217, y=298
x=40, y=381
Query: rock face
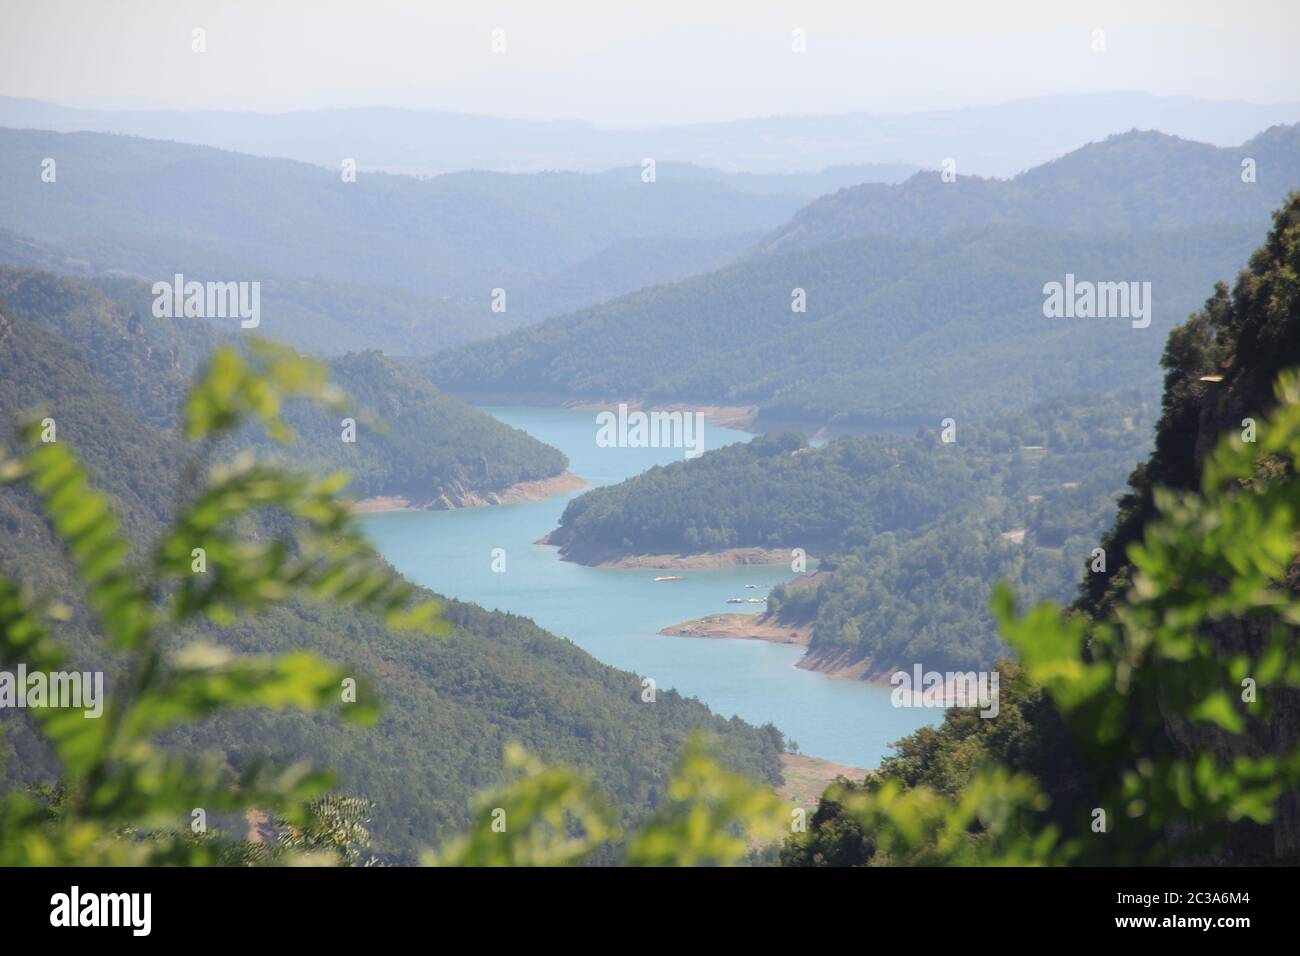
x=1221, y=367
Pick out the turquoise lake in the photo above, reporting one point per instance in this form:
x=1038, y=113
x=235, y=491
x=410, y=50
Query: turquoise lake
x=616, y=614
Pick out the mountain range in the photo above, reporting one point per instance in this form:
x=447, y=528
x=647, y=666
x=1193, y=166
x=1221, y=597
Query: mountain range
x=385, y=261
x=995, y=140
x=923, y=300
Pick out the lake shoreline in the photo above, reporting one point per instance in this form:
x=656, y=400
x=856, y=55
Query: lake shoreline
x=741, y=627
x=615, y=615
x=834, y=663
x=727, y=558
x=737, y=417
x=806, y=777
x=537, y=489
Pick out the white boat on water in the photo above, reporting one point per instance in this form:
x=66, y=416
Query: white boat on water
x=669, y=577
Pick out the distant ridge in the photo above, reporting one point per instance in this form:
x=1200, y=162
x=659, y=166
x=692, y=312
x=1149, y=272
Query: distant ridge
x=923, y=300
x=997, y=140
x=1138, y=180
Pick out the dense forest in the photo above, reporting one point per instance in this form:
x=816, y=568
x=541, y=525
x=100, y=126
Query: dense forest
x=411, y=440
x=912, y=532
x=774, y=491
x=1220, y=368
x=450, y=703
x=909, y=325
x=897, y=332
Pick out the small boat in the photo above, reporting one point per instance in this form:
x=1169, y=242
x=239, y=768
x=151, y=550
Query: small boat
x=757, y=601
x=735, y=600
x=669, y=577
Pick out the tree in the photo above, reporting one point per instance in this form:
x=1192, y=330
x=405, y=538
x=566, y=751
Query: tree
x=123, y=799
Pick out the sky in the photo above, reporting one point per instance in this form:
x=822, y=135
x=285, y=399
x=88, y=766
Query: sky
x=624, y=64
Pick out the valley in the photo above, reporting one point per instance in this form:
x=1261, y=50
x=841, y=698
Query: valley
x=616, y=614
x=650, y=439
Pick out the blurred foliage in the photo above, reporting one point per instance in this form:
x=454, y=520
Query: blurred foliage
x=550, y=817
x=124, y=799
x=710, y=819
x=116, y=781
x=1122, y=686
x=116, y=380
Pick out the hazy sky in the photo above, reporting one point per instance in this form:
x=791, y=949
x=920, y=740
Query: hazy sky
x=621, y=63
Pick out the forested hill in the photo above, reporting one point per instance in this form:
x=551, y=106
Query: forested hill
x=897, y=331
x=391, y=262
x=914, y=532
x=414, y=441
x=775, y=492
x=449, y=704
x=411, y=440
x=1132, y=182
x=919, y=301
x=1221, y=366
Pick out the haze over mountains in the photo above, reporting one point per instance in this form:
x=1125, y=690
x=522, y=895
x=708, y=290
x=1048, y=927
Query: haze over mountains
x=816, y=269
x=1137, y=181
x=409, y=266
x=999, y=140
x=923, y=299
x=386, y=261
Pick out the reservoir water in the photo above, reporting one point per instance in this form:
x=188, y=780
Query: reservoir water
x=616, y=614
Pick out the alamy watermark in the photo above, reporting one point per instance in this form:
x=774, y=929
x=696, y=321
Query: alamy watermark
x=70, y=690
x=208, y=300
x=922, y=688
x=1098, y=300
x=133, y=911
x=651, y=430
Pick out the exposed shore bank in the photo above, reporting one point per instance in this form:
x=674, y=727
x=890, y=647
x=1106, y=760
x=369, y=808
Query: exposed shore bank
x=739, y=417
x=449, y=500
x=806, y=778
x=609, y=558
x=835, y=663
x=744, y=627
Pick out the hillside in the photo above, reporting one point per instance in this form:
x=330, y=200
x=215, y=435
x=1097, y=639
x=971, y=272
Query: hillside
x=772, y=492
x=1132, y=182
x=911, y=533
x=412, y=440
x=924, y=300
x=897, y=331
x=450, y=704
x=1220, y=368
x=421, y=255
x=314, y=315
